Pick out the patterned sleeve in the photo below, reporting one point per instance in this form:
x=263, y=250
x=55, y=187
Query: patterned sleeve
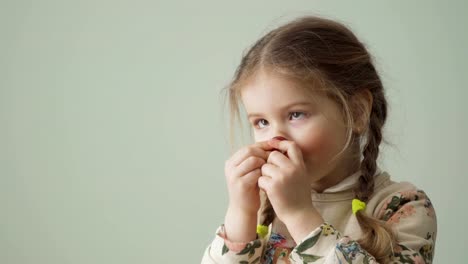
x=410, y=214
x=413, y=218
x=221, y=250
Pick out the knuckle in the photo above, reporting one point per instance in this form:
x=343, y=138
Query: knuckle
x=248, y=150
x=250, y=160
x=254, y=161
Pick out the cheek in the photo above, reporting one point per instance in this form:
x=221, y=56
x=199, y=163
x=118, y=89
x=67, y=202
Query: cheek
x=320, y=145
x=259, y=137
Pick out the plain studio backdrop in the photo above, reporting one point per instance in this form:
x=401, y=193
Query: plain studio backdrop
x=113, y=135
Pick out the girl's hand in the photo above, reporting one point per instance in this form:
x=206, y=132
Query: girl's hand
x=242, y=171
x=284, y=179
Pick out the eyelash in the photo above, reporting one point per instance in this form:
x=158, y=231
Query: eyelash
x=255, y=123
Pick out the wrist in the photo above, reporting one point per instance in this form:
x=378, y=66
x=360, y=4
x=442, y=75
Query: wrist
x=240, y=226
x=241, y=211
x=302, y=223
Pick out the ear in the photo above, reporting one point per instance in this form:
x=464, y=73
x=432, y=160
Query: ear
x=361, y=109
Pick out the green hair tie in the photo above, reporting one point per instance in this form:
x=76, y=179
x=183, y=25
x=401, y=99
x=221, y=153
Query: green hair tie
x=358, y=205
x=262, y=230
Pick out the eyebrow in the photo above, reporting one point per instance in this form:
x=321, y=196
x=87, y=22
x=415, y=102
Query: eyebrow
x=282, y=108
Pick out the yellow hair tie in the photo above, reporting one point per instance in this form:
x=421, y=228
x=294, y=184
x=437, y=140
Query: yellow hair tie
x=358, y=205
x=262, y=230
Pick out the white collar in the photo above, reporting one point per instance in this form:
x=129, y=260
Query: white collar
x=348, y=182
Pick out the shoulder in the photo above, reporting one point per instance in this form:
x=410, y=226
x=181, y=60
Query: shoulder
x=409, y=212
x=404, y=197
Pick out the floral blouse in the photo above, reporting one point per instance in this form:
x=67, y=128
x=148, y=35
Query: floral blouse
x=409, y=212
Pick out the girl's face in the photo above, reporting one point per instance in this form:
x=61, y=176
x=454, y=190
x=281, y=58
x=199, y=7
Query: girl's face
x=277, y=107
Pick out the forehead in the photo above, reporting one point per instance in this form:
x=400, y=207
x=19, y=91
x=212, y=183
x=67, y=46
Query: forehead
x=268, y=90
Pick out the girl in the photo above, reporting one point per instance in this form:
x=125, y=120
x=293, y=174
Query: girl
x=316, y=106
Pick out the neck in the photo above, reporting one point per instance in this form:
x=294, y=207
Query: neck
x=346, y=166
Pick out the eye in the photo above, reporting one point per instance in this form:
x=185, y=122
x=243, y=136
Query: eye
x=297, y=115
x=260, y=122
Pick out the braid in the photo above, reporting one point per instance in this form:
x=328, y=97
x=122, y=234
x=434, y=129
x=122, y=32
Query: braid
x=370, y=153
x=371, y=150
x=267, y=214
x=377, y=239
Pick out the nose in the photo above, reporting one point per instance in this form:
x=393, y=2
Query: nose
x=279, y=131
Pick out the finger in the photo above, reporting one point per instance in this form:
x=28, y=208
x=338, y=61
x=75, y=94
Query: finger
x=252, y=177
x=270, y=170
x=290, y=147
x=249, y=164
x=279, y=159
x=265, y=183
x=258, y=149
x=263, y=145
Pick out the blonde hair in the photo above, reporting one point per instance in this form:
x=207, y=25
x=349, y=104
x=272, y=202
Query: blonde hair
x=324, y=55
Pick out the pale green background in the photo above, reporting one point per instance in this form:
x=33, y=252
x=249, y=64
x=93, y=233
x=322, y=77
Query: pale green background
x=113, y=138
